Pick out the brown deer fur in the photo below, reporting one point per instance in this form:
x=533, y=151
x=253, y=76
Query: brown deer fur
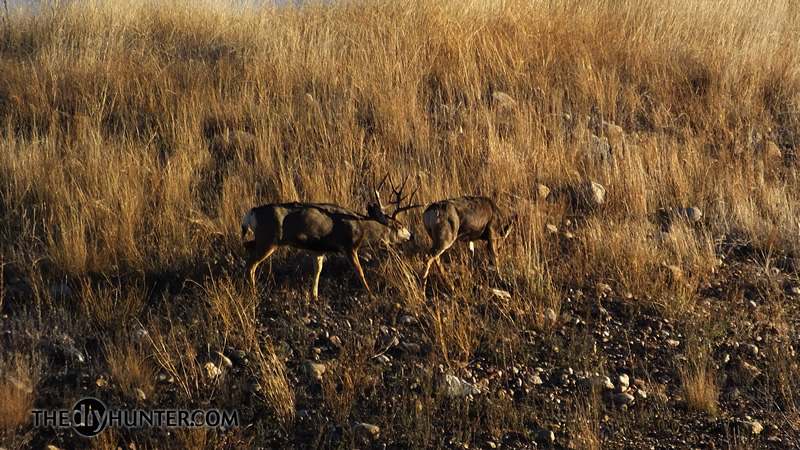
x=467, y=218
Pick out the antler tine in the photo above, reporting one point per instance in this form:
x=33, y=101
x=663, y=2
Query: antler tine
x=399, y=208
x=377, y=190
x=398, y=193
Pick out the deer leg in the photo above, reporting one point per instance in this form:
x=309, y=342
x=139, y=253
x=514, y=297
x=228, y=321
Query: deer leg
x=318, y=269
x=434, y=258
x=352, y=258
x=256, y=257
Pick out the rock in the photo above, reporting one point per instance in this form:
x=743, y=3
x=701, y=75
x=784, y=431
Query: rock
x=587, y=195
x=690, y=215
x=76, y=354
x=750, y=370
x=408, y=320
x=165, y=377
x=623, y=381
x=750, y=349
x=550, y=316
x=335, y=341
x=139, y=334
x=673, y=342
x=640, y=393
x=602, y=289
x=140, y=395
x=542, y=191
x=771, y=150
x=535, y=380
x=623, y=399
x=545, y=436
x=752, y=427
x=382, y=359
x=503, y=100
x=314, y=370
x=590, y=194
x=367, y=429
x=212, y=371
x=499, y=293
x=598, y=148
x=597, y=382
x=456, y=387
x=614, y=135
x=550, y=228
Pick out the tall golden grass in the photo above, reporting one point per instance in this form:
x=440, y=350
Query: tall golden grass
x=108, y=168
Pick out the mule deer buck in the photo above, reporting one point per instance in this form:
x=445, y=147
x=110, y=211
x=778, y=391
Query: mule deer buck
x=322, y=228
x=467, y=218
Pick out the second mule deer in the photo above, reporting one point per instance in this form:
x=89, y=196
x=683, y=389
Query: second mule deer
x=467, y=218
x=321, y=228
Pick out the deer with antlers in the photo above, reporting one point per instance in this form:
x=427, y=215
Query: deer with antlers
x=467, y=218
x=323, y=228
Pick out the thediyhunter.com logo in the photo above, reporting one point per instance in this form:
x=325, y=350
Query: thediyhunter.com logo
x=90, y=417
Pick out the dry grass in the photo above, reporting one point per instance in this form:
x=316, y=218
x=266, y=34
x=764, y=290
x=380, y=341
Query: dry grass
x=700, y=385
x=118, y=180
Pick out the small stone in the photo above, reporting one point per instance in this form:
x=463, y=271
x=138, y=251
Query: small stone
x=503, y=100
x=408, y=320
x=314, y=370
x=602, y=289
x=367, y=429
x=545, y=436
x=752, y=427
x=550, y=316
x=535, y=380
x=212, y=371
x=542, y=191
x=77, y=355
x=614, y=134
x=751, y=370
x=751, y=349
x=165, y=377
x=140, y=395
x=597, y=381
x=550, y=228
x=499, y=293
x=382, y=359
x=624, y=381
x=623, y=399
x=641, y=393
x=335, y=341
x=673, y=342
x=456, y=387
x=772, y=151
x=139, y=334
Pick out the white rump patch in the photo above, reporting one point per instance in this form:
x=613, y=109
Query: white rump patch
x=404, y=234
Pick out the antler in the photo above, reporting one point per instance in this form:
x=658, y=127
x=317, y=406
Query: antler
x=398, y=198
